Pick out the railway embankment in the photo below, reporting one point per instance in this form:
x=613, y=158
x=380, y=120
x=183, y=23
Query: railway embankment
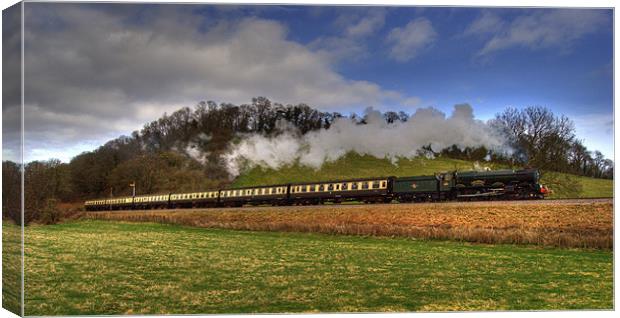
x=583, y=223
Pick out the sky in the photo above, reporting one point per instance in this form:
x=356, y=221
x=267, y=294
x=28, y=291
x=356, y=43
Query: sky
x=94, y=72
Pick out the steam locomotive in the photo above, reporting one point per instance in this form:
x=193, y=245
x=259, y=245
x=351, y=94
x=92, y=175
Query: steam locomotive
x=446, y=186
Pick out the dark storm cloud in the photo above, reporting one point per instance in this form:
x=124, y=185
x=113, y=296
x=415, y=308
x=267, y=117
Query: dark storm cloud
x=11, y=83
x=95, y=69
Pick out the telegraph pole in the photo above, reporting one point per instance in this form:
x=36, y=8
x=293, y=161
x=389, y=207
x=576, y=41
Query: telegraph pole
x=133, y=188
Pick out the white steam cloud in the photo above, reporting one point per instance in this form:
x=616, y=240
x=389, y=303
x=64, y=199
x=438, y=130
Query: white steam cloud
x=376, y=138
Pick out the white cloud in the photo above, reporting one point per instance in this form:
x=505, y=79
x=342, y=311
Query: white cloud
x=555, y=28
x=368, y=24
x=410, y=40
x=487, y=23
x=356, y=25
x=91, y=73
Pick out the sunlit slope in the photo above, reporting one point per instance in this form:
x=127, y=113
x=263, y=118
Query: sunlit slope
x=359, y=166
x=571, y=186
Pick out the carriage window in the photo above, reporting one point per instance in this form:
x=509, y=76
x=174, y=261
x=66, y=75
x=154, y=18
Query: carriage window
x=365, y=185
x=384, y=184
x=354, y=186
x=345, y=186
x=375, y=185
x=330, y=187
x=321, y=187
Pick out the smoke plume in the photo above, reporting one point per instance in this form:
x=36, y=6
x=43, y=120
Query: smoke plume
x=376, y=138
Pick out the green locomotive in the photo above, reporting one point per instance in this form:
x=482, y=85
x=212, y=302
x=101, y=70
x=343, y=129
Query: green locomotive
x=471, y=185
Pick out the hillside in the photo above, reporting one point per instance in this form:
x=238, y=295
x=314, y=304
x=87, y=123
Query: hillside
x=358, y=166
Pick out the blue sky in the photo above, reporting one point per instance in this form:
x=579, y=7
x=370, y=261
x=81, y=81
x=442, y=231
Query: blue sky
x=144, y=60
x=572, y=77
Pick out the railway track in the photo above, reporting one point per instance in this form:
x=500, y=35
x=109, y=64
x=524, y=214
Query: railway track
x=433, y=204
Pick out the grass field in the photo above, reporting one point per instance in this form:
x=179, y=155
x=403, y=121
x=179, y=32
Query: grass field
x=358, y=166
x=11, y=267
x=96, y=267
x=572, y=223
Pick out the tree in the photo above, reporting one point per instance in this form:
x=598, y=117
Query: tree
x=538, y=137
x=11, y=191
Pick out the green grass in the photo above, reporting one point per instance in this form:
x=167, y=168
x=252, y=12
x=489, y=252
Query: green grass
x=11, y=267
x=571, y=186
x=96, y=267
x=359, y=166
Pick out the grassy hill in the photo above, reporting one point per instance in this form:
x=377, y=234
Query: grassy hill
x=359, y=166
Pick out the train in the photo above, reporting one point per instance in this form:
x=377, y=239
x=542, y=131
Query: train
x=445, y=186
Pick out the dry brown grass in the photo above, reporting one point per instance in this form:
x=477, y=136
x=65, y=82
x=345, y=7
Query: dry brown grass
x=561, y=223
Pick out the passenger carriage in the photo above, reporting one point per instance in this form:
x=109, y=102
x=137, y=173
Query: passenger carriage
x=366, y=190
x=194, y=200
x=273, y=194
x=156, y=201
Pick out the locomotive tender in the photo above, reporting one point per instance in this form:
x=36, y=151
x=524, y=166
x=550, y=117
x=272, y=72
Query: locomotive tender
x=447, y=186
